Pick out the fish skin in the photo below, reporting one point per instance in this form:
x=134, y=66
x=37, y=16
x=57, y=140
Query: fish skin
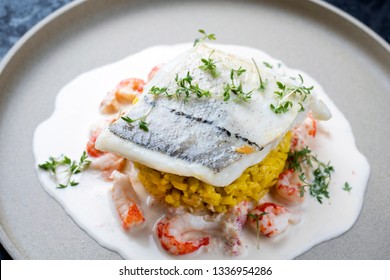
x=198, y=136
x=215, y=153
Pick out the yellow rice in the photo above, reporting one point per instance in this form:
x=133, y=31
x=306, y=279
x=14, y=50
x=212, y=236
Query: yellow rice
x=196, y=195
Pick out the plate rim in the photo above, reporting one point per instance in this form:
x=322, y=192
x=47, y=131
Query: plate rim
x=5, y=240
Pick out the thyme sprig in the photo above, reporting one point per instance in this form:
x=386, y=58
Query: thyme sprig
x=234, y=89
x=322, y=174
x=205, y=37
x=283, y=105
x=210, y=66
x=73, y=167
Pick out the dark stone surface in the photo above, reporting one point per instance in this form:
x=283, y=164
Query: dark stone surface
x=18, y=16
x=373, y=13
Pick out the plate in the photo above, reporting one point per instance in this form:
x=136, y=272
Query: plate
x=351, y=63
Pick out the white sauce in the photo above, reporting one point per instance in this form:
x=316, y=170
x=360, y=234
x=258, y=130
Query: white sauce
x=89, y=204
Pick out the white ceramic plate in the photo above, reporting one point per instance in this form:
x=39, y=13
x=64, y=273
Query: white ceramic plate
x=351, y=63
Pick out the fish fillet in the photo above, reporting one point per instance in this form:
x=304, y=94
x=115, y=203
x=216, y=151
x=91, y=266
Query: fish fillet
x=207, y=137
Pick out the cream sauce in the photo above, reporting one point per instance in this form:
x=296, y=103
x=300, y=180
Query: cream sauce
x=89, y=203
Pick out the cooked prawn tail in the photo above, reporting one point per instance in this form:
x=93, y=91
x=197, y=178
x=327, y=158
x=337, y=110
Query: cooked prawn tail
x=288, y=187
x=124, y=198
x=269, y=218
x=183, y=234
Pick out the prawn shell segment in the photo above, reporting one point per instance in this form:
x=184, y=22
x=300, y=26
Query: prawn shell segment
x=132, y=218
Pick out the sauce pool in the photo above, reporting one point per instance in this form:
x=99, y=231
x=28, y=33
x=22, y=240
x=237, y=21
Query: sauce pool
x=89, y=203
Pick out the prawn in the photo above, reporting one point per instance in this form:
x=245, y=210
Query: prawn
x=269, y=218
x=124, y=198
x=95, y=130
x=289, y=186
x=153, y=72
x=301, y=132
x=128, y=89
x=183, y=234
x=109, y=105
x=91, y=149
x=124, y=93
x=233, y=223
x=108, y=163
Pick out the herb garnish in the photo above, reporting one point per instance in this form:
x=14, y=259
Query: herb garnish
x=159, y=90
x=73, y=168
x=186, y=87
x=285, y=92
x=262, y=83
x=266, y=64
x=318, y=186
x=297, y=158
x=142, y=121
x=347, y=187
x=204, y=37
x=257, y=217
x=237, y=90
x=209, y=65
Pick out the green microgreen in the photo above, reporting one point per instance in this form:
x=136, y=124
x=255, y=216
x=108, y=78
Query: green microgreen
x=233, y=89
x=186, y=88
x=210, y=66
x=72, y=167
x=204, y=37
x=347, y=187
x=268, y=65
x=296, y=159
x=238, y=72
x=263, y=84
x=142, y=124
x=159, y=90
x=318, y=187
x=283, y=105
